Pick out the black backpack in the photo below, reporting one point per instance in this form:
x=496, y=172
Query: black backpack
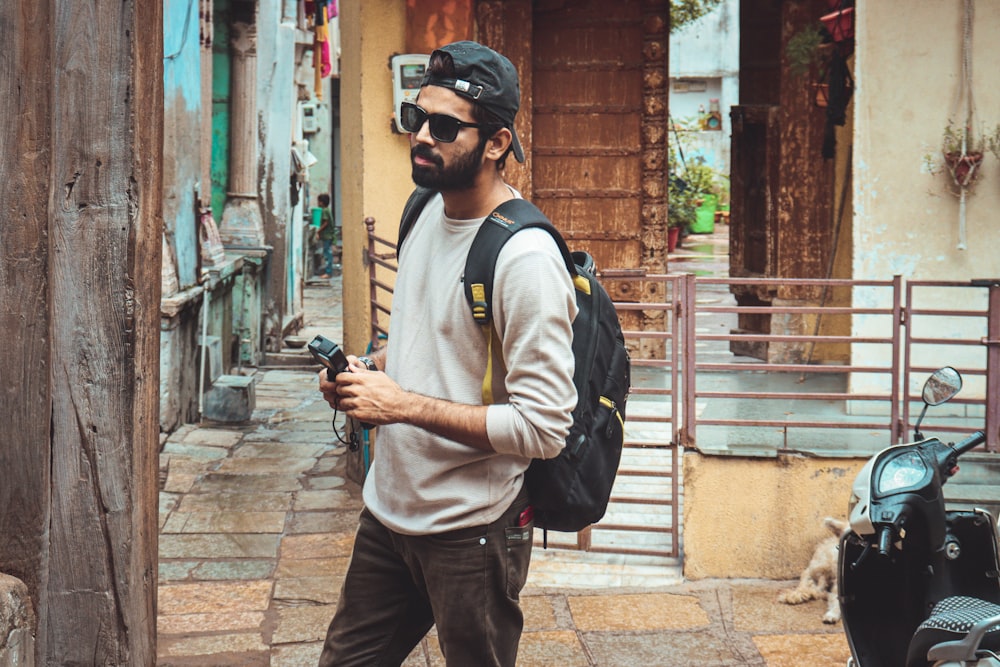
x=572, y=490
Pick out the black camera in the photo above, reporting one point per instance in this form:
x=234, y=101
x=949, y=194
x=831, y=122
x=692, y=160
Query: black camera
x=329, y=354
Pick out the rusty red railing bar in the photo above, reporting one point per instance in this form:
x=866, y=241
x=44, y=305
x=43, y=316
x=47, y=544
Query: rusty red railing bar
x=945, y=341
x=791, y=368
x=790, y=338
x=784, y=310
x=783, y=423
x=787, y=395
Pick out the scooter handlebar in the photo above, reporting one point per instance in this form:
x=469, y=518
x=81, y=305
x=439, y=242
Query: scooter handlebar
x=884, y=540
x=970, y=443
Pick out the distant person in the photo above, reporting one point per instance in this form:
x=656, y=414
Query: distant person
x=327, y=234
x=446, y=534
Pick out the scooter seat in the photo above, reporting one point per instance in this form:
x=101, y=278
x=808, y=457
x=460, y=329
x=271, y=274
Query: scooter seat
x=949, y=620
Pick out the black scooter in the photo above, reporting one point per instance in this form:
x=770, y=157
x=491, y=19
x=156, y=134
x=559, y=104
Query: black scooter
x=918, y=583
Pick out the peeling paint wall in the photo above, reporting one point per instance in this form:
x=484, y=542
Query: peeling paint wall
x=908, y=74
x=181, y=129
x=276, y=94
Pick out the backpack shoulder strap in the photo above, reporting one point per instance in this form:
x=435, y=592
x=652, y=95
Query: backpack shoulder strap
x=506, y=220
x=411, y=211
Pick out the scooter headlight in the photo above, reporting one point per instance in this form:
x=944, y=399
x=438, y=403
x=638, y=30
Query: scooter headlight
x=903, y=471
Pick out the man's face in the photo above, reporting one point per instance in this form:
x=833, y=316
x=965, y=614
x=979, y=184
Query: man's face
x=446, y=166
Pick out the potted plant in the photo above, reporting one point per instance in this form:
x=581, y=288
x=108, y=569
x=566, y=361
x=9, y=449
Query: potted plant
x=704, y=194
x=681, y=211
x=963, y=154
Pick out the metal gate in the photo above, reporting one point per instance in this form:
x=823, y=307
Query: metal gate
x=690, y=389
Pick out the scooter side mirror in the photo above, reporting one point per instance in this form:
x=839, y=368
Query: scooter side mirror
x=942, y=386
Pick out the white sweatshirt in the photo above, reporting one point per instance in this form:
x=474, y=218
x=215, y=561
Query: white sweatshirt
x=421, y=483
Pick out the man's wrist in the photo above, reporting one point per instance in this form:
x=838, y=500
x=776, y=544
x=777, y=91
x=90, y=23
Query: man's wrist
x=369, y=363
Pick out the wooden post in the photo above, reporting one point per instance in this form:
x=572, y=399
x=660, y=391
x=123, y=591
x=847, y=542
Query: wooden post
x=81, y=186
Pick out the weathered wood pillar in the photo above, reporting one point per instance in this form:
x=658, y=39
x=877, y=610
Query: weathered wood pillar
x=80, y=200
x=242, y=224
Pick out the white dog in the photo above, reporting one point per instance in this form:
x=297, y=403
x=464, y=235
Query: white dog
x=819, y=579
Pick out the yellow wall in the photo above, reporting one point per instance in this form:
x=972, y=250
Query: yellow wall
x=375, y=177
x=759, y=518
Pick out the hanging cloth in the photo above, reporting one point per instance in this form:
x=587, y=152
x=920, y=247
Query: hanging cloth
x=322, y=60
x=841, y=87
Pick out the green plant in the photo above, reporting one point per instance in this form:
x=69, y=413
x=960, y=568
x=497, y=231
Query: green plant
x=701, y=179
x=803, y=49
x=992, y=142
x=957, y=140
x=684, y=12
x=681, y=209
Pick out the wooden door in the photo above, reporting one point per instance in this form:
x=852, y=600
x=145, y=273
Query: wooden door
x=598, y=122
x=598, y=125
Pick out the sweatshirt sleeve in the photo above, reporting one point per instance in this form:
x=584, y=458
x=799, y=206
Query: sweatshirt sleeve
x=533, y=309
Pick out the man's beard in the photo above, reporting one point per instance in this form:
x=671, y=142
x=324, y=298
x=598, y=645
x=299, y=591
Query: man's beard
x=459, y=175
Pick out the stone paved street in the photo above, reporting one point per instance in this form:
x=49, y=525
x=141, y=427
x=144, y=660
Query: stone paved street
x=257, y=523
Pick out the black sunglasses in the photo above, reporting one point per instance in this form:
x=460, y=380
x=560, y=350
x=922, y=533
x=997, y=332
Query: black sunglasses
x=443, y=128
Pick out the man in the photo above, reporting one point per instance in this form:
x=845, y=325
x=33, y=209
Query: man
x=445, y=537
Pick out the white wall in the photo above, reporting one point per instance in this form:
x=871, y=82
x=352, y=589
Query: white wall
x=707, y=50
x=908, y=66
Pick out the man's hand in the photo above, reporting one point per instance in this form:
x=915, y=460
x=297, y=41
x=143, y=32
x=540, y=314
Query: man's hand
x=372, y=397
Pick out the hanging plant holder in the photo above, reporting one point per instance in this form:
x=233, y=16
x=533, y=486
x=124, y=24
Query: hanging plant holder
x=964, y=169
x=963, y=146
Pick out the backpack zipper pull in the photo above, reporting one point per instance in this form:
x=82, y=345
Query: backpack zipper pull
x=610, y=404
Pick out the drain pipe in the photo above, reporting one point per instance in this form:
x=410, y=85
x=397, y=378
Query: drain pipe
x=204, y=334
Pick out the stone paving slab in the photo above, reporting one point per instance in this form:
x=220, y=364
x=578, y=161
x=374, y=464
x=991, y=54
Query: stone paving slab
x=188, y=624
x=224, y=545
x=643, y=611
x=214, y=597
x=225, y=522
x=214, y=570
x=229, y=483
x=302, y=624
x=249, y=501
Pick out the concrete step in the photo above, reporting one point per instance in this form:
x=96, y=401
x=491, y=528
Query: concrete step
x=231, y=399
x=291, y=359
x=978, y=468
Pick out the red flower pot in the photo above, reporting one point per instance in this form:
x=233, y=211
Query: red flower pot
x=964, y=168
x=673, y=234
x=840, y=24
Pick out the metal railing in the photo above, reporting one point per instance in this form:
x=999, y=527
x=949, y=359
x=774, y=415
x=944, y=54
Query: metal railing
x=692, y=387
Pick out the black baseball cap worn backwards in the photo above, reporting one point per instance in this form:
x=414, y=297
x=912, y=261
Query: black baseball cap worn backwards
x=485, y=77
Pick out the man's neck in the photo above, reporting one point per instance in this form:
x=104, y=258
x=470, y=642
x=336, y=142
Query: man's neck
x=477, y=201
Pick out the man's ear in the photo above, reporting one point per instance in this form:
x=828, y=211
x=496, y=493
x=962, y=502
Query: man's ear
x=498, y=144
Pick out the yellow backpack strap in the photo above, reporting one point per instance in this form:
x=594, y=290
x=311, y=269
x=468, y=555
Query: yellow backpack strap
x=492, y=342
x=499, y=226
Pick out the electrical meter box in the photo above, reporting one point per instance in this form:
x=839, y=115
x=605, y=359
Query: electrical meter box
x=310, y=123
x=407, y=73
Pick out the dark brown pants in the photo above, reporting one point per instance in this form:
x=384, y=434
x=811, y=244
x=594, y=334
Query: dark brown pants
x=466, y=581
